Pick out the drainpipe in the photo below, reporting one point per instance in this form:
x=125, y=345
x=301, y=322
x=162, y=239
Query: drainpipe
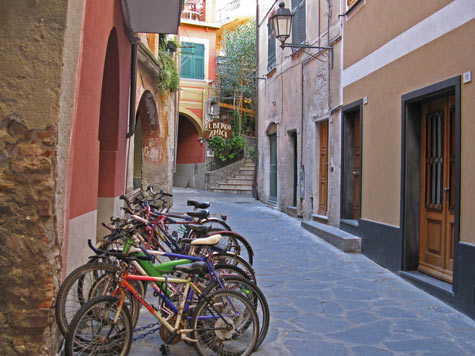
x=256, y=119
x=133, y=86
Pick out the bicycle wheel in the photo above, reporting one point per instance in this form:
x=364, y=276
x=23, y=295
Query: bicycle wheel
x=85, y=282
x=224, y=269
x=230, y=258
x=99, y=328
x=225, y=323
x=218, y=224
x=234, y=243
x=251, y=292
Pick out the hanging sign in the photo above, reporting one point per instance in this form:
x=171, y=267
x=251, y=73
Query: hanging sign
x=217, y=128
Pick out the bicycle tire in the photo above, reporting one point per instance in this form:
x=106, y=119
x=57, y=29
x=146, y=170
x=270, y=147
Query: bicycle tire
x=75, y=292
x=226, y=309
x=234, y=243
x=255, y=296
x=216, y=223
x=235, y=260
x=225, y=269
x=95, y=314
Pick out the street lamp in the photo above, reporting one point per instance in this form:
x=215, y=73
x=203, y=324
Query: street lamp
x=281, y=20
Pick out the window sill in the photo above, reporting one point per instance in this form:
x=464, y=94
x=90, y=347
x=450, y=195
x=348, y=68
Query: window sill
x=271, y=71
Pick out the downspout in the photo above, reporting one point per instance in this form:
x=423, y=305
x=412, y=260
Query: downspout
x=256, y=119
x=330, y=58
x=133, y=86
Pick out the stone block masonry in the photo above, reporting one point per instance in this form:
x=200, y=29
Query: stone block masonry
x=30, y=251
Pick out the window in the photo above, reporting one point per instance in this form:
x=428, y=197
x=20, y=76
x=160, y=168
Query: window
x=192, y=60
x=270, y=47
x=298, y=21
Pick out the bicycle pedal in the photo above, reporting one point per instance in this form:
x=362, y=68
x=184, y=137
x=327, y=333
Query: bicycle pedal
x=165, y=350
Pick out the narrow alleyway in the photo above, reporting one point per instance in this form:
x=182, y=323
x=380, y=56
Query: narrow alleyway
x=325, y=302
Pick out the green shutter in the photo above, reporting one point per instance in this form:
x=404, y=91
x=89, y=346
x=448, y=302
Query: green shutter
x=192, y=60
x=199, y=56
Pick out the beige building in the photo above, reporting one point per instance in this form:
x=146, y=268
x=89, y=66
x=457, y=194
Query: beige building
x=299, y=102
x=407, y=130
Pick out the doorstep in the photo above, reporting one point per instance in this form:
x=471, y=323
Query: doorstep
x=338, y=238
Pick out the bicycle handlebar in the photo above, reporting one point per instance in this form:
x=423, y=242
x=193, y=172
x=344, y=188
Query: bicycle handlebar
x=120, y=255
x=161, y=192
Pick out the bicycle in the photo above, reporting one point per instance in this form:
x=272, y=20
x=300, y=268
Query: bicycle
x=223, y=322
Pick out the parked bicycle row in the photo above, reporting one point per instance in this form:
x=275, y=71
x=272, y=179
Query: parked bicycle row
x=198, y=271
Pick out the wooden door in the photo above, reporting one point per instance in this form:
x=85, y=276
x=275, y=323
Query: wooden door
x=273, y=168
x=323, y=186
x=437, y=188
x=356, y=166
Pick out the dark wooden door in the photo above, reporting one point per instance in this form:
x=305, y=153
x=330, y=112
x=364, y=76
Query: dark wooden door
x=356, y=166
x=323, y=184
x=273, y=168
x=437, y=188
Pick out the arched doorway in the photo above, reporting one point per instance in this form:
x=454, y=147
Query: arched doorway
x=150, y=151
x=190, y=156
x=108, y=136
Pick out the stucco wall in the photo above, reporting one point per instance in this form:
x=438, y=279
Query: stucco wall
x=297, y=94
x=383, y=23
x=446, y=57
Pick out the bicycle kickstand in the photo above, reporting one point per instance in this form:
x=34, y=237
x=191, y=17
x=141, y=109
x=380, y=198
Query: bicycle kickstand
x=165, y=350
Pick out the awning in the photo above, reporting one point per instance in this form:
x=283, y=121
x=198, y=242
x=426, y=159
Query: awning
x=152, y=16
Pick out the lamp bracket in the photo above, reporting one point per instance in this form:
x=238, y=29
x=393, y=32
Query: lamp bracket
x=302, y=45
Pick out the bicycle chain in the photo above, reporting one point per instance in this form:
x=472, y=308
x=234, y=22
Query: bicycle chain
x=139, y=337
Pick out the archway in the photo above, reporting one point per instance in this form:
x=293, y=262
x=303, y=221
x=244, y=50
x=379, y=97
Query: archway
x=190, y=158
x=150, y=150
x=108, y=134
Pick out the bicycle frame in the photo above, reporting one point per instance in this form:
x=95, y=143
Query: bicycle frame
x=182, y=308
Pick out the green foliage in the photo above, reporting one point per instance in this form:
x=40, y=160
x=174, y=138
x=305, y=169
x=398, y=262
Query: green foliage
x=236, y=70
x=226, y=150
x=169, y=79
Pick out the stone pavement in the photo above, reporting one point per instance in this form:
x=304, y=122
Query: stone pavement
x=324, y=302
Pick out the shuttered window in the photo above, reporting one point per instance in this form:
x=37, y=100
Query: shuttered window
x=270, y=47
x=298, y=21
x=192, y=60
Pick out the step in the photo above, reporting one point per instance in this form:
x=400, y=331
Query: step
x=338, y=238
x=240, y=181
x=235, y=186
x=230, y=190
x=244, y=176
x=246, y=169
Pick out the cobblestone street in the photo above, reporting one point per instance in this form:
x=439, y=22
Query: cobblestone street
x=326, y=302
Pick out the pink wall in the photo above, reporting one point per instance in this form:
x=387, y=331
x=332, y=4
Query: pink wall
x=101, y=17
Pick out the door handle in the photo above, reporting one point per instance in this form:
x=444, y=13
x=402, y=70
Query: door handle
x=356, y=173
x=447, y=189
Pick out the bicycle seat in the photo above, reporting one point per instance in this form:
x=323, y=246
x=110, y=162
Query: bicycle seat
x=199, y=228
x=211, y=240
x=199, y=268
x=198, y=204
x=201, y=214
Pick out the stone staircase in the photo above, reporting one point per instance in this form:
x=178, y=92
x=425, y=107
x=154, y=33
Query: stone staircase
x=240, y=182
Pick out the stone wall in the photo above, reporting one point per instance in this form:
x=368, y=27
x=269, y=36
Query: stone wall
x=31, y=63
x=212, y=177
